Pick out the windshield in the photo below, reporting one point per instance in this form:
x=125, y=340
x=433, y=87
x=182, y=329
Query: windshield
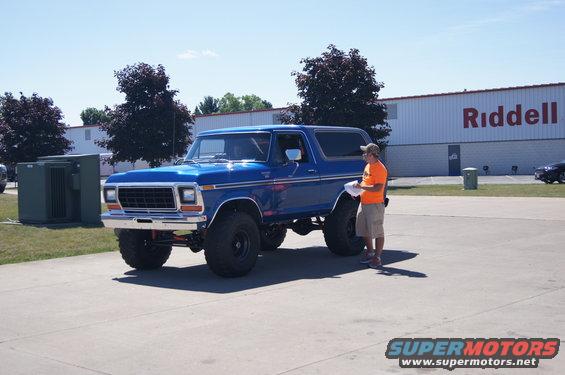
x=230, y=147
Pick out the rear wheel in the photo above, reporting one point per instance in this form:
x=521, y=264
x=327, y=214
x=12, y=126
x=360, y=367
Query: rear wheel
x=561, y=178
x=339, y=229
x=2, y=187
x=139, y=250
x=232, y=245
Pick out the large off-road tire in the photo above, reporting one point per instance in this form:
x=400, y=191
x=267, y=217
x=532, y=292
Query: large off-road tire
x=139, y=251
x=2, y=187
x=272, y=237
x=232, y=245
x=339, y=229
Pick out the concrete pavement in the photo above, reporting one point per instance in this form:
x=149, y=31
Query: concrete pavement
x=454, y=267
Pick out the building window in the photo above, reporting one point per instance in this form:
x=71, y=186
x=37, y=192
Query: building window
x=392, y=111
x=87, y=135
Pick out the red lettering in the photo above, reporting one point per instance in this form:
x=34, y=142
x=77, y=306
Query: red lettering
x=535, y=349
x=490, y=348
x=497, y=118
x=470, y=117
x=520, y=348
x=532, y=117
x=515, y=117
x=505, y=344
x=550, y=348
x=544, y=113
x=473, y=348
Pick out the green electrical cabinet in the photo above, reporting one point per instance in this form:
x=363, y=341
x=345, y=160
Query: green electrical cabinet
x=59, y=189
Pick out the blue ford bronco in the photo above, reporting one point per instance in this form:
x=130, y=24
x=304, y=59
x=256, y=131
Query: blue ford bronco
x=236, y=193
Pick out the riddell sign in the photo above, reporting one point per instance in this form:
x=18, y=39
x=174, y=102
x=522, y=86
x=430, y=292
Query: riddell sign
x=516, y=116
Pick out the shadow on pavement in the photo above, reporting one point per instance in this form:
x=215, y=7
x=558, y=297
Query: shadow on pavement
x=272, y=268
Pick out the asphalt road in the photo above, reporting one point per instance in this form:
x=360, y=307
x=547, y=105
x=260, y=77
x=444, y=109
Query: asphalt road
x=454, y=267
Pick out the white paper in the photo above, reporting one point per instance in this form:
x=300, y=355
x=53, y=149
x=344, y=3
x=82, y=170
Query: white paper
x=353, y=191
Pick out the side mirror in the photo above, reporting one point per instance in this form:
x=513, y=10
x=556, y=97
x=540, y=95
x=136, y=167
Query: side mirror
x=179, y=161
x=293, y=154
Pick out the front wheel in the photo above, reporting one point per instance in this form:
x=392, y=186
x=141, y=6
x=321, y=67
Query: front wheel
x=561, y=178
x=140, y=250
x=232, y=245
x=339, y=229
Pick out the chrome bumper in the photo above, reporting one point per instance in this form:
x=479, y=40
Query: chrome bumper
x=173, y=221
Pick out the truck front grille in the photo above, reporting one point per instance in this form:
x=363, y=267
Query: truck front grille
x=147, y=198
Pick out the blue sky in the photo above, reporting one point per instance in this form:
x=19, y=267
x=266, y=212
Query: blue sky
x=69, y=50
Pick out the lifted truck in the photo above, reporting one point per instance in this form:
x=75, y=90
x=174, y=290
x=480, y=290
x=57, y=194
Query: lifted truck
x=236, y=193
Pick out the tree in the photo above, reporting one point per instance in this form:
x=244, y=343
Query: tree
x=208, y=105
x=339, y=89
x=253, y=102
x=93, y=116
x=30, y=127
x=151, y=125
x=231, y=103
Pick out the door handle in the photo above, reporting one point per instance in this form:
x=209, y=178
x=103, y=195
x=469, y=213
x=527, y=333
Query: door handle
x=311, y=171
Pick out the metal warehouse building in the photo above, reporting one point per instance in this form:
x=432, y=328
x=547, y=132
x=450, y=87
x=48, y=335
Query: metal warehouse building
x=438, y=134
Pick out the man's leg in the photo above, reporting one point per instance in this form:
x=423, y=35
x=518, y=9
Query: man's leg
x=379, y=245
x=369, y=244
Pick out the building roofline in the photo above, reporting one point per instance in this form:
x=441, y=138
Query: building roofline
x=240, y=112
x=378, y=100
x=473, y=91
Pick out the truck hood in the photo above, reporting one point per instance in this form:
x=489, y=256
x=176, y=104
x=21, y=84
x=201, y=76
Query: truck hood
x=203, y=174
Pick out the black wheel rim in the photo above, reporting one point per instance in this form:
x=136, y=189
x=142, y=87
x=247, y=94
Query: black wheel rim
x=240, y=245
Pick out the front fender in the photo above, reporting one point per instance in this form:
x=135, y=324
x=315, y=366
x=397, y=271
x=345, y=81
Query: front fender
x=261, y=197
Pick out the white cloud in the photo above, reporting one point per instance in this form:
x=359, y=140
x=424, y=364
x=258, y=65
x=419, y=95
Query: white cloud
x=511, y=14
x=208, y=53
x=192, y=54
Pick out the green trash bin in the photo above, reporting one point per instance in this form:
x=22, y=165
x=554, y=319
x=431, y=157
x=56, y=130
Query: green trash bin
x=470, y=179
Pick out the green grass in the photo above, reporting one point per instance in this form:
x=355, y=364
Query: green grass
x=508, y=190
x=23, y=243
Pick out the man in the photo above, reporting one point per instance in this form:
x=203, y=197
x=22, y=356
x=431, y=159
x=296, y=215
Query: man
x=370, y=215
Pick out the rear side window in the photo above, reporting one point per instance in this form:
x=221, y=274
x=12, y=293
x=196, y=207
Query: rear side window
x=340, y=144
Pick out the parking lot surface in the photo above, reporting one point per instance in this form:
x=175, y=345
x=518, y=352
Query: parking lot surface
x=454, y=267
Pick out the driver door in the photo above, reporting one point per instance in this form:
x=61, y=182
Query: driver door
x=297, y=184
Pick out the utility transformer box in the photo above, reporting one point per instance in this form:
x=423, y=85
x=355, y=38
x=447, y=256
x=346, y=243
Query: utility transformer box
x=60, y=189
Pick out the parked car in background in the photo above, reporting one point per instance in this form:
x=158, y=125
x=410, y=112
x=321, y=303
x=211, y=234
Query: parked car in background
x=3, y=177
x=551, y=173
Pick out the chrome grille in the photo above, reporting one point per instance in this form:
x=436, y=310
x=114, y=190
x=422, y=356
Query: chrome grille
x=146, y=198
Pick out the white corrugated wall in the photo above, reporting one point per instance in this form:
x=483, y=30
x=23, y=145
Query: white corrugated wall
x=439, y=119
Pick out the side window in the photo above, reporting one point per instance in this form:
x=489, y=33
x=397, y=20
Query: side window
x=288, y=142
x=336, y=144
x=87, y=135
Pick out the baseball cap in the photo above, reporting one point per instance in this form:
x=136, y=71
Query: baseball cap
x=371, y=148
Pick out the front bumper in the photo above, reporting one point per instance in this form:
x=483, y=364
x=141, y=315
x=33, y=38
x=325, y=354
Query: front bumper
x=172, y=221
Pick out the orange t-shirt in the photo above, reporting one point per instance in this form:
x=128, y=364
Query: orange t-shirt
x=374, y=174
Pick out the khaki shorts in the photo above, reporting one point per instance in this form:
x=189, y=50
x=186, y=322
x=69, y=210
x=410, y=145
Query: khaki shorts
x=370, y=219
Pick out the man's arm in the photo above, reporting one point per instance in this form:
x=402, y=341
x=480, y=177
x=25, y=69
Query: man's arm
x=372, y=188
